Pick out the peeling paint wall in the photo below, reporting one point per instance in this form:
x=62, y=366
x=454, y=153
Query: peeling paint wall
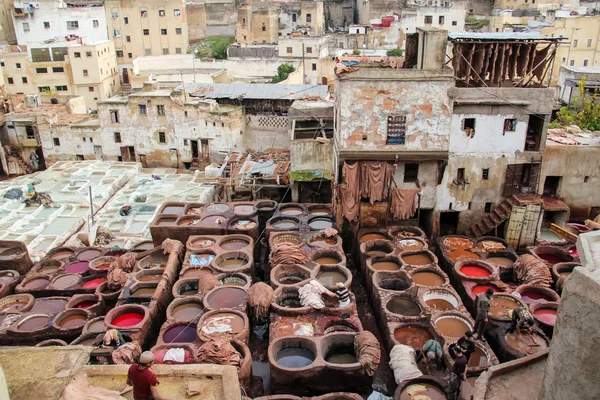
x=210, y=18
x=428, y=179
x=310, y=155
x=339, y=13
x=296, y=14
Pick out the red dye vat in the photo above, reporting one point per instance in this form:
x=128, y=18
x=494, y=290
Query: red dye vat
x=581, y=228
x=551, y=258
x=94, y=283
x=127, y=319
x=530, y=296
x=103, y=266
x=78, y=267
x=478, y=289
x=474, y=270
x=546, y=315
x=85, y=304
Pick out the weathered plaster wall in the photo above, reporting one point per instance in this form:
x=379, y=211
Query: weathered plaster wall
x=264, y=132
x=310, y=155
x=339, y=13
x=428, y=179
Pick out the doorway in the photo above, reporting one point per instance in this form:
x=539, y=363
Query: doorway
x=98, y=152
x=125, y=76
x=205, y=150
x=127, y=153
x=194, y=149
x=448, y=222
x=41, y=159
x=551, y=185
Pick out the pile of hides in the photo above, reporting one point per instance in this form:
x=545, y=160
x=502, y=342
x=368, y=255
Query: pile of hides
x=174, y=355
x=79, y=388
x=129, y=353
x=259, y=297
x=403, y=362
x=220, y=351
x=366, y=347
x=103, y=237
x=491, y=245
x=530, y=270
x=287, y=254
x=13, y=194
x=172, y=246
x=42, y=199
x=118, y=271
x=404, y=204
x=310, y=295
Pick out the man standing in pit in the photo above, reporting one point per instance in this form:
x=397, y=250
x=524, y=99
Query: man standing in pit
x=483, y=309
x=521, y=320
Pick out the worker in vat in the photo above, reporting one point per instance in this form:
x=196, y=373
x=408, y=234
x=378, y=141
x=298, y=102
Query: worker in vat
x=430, y=353
x=521, y=320
x=144, y=382
x=458, y=373
x=467, y=344
x=483, y=309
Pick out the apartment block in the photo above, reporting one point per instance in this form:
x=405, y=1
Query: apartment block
x=7, y=35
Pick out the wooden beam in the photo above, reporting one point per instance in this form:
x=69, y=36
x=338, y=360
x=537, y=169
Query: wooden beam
x=563, y=233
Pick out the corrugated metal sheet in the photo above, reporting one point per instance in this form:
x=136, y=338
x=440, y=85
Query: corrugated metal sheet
x=500, y=36
x=255, y=91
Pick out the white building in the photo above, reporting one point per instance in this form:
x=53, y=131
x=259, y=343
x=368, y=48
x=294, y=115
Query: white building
x=450, y=18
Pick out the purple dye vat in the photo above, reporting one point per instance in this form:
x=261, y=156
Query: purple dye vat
x=180, y=334
x=78, y=267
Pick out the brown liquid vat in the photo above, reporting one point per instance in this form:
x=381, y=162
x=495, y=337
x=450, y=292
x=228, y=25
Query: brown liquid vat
x=501, y=303
x=95, y=325
x=185, y=288
x=16, y=303
x=376, y=248
x=283, y=223
x=47, y=267
x=328, y=257
x=226, y=297
x=88, y=253
x=289, y=275
x=71, y=321
x=435, y=388
x=418, y=258
x=200, y=243
x=401, y=232
x=287, y=302
x=430, y=277
x=373, y=235
x=185, y=309
x=385, y=263
x=330, y=275
x=394, y=281
x=292, y=209
x=412, y=244
x=60, y=253
x=402, y=307
x=100, y=265
x=234, y=242
x=452, y=325
x=32, y=324
x=233, y=261
x=441, y=300
x=230, y=322
x=563, y=270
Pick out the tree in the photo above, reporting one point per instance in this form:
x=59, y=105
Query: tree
x=282, y=72
x=584, y=112
x=219, y=48
x=395, y=52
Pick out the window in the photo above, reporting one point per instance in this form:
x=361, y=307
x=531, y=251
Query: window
x=146, y=32
x=143, y=110
x=572, y=62
x=429, y=19
x=308, y=18
x=86, y=73
x=114, y=14
x=163, y=31
x=84, y=139
x=185, y=142
x=176, y=12
x=91, y=88
x=91, y=140
x=117, y=137
x=88, y=54
x=411, y=172
x=119, y=53
x=147, y=52
x=41, y=70
x=185, y=113
x=314, y=66
x=160, y=109
x=129, y=55
x=396, y=129
x=58, y=69
x=488, y=208
x=43, y=89
x=243, y=21
x=165, y=51
x=128, y=38
x=575, y=42
x=441, y=20
x=162, y=138
x=77, y=54
x=510, y=125
x=469, y=126
x=454, y=23
x=161, y=13
x=46, y=25
x=178, y=31
x=485, y=174
x=289, y=50
x=18, y=65
x=56, y=141
x=72, y=24
x=585, y=63
x=263, y=28
x=116, y=33
x=589, y=43
x=177, y=50
x=143, y=13
x=460, y=175
x=586, y=179
x=1, y=63
x=95, y=23
x=24, y=79
x=114, y=117
x=11, y=81
x=469, y=206
x=26, y=26
x=62, y=88
x=564, y=60
x=293, y=17
x=309, y=50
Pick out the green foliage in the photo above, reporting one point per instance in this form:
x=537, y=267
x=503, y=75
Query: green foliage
x=395, y=52
x=476, y=23
x=356, y=52
x=212, y=47
x=584, y=112
x=282, y=72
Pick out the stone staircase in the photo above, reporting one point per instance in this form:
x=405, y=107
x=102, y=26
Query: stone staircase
x=498, y=215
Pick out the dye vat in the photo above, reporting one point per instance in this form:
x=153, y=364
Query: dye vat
x=284, y=224
x=377, y=252
x=187, y=311
x=180, y=334
x=234, y=244
x=331, y=278
x=85, y=304
x=232, y=264
x=428, y=279
x=291, y=211
x=501, y=261
x=412, y=336
x=294, y=357
x=526, y=344
x=103, y=266
x=422, y=391
x=410, y=244
x=214, y=221
x=552, y=258
x=319, y=211
x=87, y=342
x=217, y=208
x=478, y=289
x=226, y=297
x=36, y=283
x=455, y=242
x=73, y=321
x=323, y=242
x=501, y=305
x=166, y=221
x=89, y=254
x=201, y=260
x=417, y=259
x=341, y=355
x=144, y=292
x=327, y=260
x=223, y=322
x=372, y=236
x=532, y=297
x=320, y=223
x=462, y=254
x=97, y=326
x=14, y=306
x=475, y=271
x=62, y=255
x=452, y=326
x=66, y=281
x=188, y=221
x=244, y=224
x=244, y=209
x=94, y=283
x=173, y=210
x=50, y=267
x=478, y=358
x=385, y=266
x=402, y=306
x=545, y=315
x=188, y=289
x=202, y=243
x=150, y=278
x=79, y=267
x=127, y=319
x=49, y=305
x=440, y=304
x=33, y=323
x=233, y=281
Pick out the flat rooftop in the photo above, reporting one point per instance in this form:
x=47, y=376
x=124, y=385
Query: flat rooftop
x=257, y=91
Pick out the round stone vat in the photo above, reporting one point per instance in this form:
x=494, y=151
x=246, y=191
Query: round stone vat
x=317, y=241
x=66, y=282
x=185, y=288
x=216, y=208
x=33, y=324
x=230, y=322
x=149, y=275
x=88, y=254
x=142, y=290
x=16, y=303
x=394, y=281
x=92, y=303
x=292, y=354
x=502, y=259
x=320, y=223
x=287, y=275
x=185, y=309
x=406, y=232
x=418, y=258
x=77, y=267
x=226, y=297
x=172, y=208
x=266, y=206
x=234, y=243
x=319, y=210
x=552, y=255
x=501, y=304
x=563, y=270
x=491, y=243
x=166, y=220
x=213, y=221
x=233, y=261
x=36, y=282
x=71, y=321
x=482, y=287
x=194, y=272
x=92, y=282
x=376, y=248
x=475, y=270
x=60, y=253
x=50, y=305
x=338, y=349
x=178, y=332
x=412, y=334
x=283, y=223
x=128, y=316
x=200, y=243
x=374, y=235
x=109, y=296
x=452, y=325
x=518, y=347
x=287, y=302
x=384, y=263
x=143, y=246
x=531, y=294
x=441, y=300
x=48, y=267
x=545, y=315
x=480, y=358
x=428, y=277
x=51, y=342
x=412, y=244
x=331, y=275
x=287, y=238
x=403, y=306
x=241, y=224
x=194, y=209
x=95, y=325
x=426, y=387
x=456, y=242
x=237, y=279
x=244, y=210
x=328, y=257
x=100, y=265
x=339, y=326
x=291, y=209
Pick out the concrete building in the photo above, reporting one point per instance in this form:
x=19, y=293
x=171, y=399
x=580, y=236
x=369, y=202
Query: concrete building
x=6, y=23
x=450, y=17
x=307, y=17
x=211, y=18
x=568, y=83
x=66, y=69
x=313, y=53
x=146, y=28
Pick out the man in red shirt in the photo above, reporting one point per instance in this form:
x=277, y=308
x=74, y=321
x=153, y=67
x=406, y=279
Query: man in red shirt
x=144, y=382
